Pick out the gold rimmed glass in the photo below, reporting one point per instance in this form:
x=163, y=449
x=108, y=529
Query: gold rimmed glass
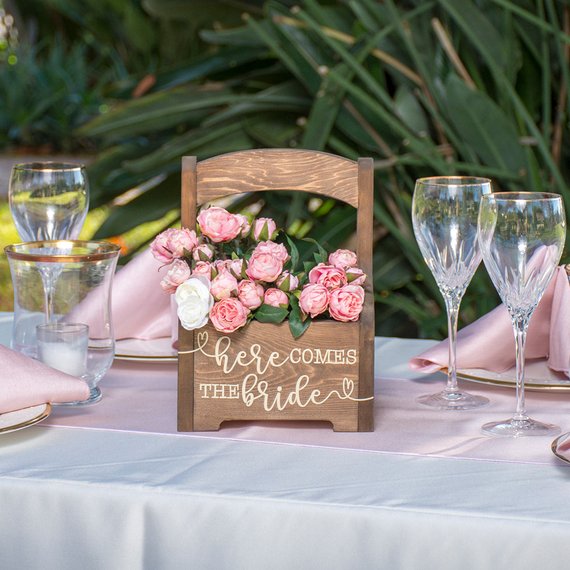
x=444, y=215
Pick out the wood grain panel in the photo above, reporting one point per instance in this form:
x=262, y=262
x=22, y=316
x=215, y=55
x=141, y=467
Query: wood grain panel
x=278, y=169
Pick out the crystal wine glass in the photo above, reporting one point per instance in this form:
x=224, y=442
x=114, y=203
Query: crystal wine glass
x=48, y=201
x=522, y=236
x=444, y=215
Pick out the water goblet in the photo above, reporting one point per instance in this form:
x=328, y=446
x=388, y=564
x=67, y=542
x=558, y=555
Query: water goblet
x=522, y=236
x=444, y=215
x=48, y=201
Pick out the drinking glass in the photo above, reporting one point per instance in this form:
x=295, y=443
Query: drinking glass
x=79, y=340
x=48, y=201
x=522, y=236
x=444, y=215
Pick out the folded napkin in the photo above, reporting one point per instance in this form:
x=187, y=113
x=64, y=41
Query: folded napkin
x=141, y=309
x=26, y=382
x=489, y=342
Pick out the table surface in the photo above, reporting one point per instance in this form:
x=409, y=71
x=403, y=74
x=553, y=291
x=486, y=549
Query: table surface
x=115, y=486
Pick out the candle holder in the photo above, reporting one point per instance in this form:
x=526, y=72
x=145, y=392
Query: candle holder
x=76, y=336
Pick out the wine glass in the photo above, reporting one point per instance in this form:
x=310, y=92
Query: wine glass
x=444, y=215
x=522, y=236
x=48, y=201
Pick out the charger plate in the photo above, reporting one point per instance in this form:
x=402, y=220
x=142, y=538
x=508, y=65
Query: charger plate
x=537, y=377
x=26, y=417
x=561, y=447
x=152, y=350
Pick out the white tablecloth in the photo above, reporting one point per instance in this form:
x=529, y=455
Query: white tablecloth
x=425, y=490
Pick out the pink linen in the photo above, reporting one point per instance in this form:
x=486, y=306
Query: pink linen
x=141, y=308
x=489, y=344
x=26, y=382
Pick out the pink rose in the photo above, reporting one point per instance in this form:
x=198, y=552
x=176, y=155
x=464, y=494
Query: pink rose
x=264, y=267
x=327, y=275
x=250, y=294
x=171, y=243
x=346, y=303
x=276, y=298
x=314, y=299
x=223, y=264
x=203, y=268
x=264, y=228
x=278, y=250
x=218, y=224
x=228, y=315
x=177, y=274
x=245, y=225
x=237, y=268
x=343, y=258
x=287, y=281
x=223, y=285
x=355, y=276
x=204, y=252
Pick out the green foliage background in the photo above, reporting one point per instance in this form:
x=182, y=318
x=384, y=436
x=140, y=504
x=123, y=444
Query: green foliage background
x=428, y=87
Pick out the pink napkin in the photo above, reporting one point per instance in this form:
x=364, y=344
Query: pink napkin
x=26, y=382
x=489, y=343
x=141, y=309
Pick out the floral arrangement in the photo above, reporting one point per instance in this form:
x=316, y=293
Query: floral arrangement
x=233, y=270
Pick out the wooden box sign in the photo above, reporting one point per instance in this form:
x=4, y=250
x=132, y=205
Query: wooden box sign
x=261, y=372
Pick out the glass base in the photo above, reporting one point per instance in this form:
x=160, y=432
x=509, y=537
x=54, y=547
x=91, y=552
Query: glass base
x=453, y=400
x=519, y=428
x=94, y=396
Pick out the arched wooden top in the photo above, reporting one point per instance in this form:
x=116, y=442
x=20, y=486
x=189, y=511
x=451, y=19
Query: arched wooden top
x=278, y=169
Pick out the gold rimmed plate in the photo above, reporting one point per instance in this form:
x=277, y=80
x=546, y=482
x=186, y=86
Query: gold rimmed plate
x=26, y=417
x=561, y=447
x=152, y=350
x=537, y=377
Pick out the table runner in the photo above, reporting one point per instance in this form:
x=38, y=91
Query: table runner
x=141, y=397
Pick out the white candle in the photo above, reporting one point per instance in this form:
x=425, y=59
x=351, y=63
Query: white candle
x=64, y=347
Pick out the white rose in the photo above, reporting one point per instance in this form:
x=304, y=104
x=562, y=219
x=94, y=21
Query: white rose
x=194, y=302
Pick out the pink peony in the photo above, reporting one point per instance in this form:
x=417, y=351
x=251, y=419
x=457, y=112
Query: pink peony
x=343, y=258
x=276, y=298
x=203, y=268
x=223, y=264
x=237, y=268
x=172, y=243
x=314, y=299
x=245, y=225
x=204, y=252
x=228, y=315
x=331, y=277
x=264, y=267
x=278, y=250
x=219, y=225
x=355, y=276
x=346, y=303
x=250, y=294
x=287, y=281
x=223, y=285
x=177, y=274
x=264, y=228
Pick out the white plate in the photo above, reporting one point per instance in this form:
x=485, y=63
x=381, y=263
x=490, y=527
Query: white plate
x=153, y=350
x=561, y=447
x=537, y=377
x=20, y=419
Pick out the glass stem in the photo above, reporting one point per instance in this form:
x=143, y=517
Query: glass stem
x=452, y=306
x=520, y=327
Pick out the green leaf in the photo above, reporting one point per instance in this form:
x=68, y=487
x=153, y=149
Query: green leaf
x=297, y=324
x=321, y=255
x=294, y=253
x=484, y=125
x=269, y=314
